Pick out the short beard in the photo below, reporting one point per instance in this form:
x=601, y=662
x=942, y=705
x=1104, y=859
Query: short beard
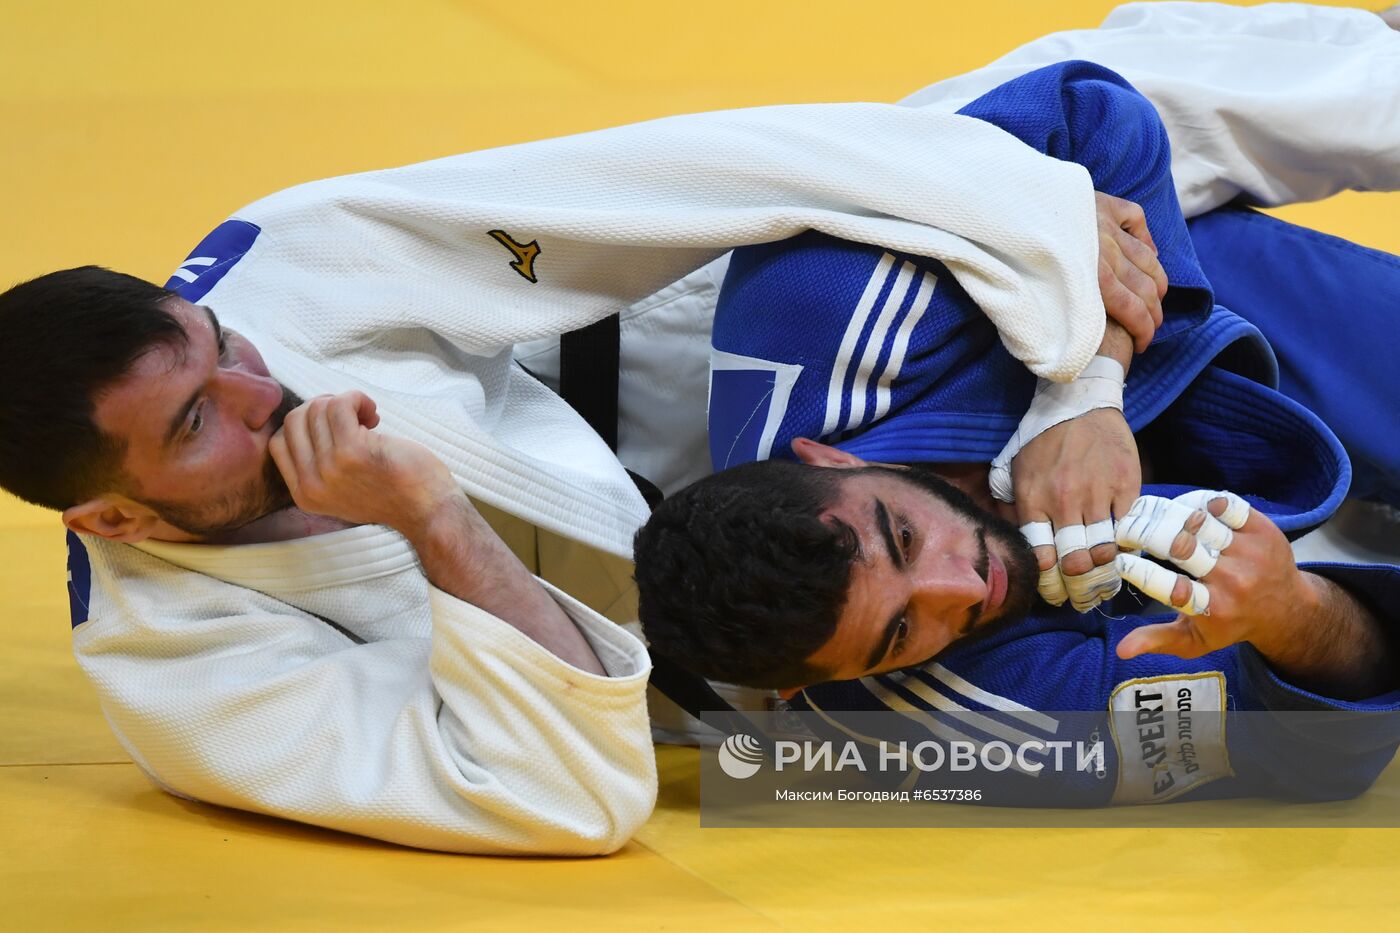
x=1022, y=570
x=236, y=508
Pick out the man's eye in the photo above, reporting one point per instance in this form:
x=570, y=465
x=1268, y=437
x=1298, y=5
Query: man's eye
x=906, y=539
x=197, y=423
x=901, y=634
x=223, y=345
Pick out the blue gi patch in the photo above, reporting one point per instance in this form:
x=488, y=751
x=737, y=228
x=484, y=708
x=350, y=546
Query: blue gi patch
x=748, y=399
x=79, y=580
x=211, y=260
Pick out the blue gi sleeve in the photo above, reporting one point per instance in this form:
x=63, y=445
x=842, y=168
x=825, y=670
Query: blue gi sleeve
x=1223, y=725
x=819, y=337
x=1081, y=112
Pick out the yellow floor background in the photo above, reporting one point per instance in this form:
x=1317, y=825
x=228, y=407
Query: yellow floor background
x=128, y=130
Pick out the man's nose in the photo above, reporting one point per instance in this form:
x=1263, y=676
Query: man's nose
x=253, y=398
x=948, y=584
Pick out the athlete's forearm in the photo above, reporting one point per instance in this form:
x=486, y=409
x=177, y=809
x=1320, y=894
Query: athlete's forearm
x=1333, y=645
x=463, y=556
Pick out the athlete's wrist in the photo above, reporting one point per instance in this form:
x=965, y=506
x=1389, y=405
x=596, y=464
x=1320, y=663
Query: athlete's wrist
x=432, y=514
x=1117, y=344
x=1296, y=641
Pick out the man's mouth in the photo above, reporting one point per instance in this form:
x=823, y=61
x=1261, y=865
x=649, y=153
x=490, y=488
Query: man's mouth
x=289, y=401
x=996, y=585
x=993, y=573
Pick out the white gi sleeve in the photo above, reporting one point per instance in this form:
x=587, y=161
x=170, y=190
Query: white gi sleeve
x=1282, y=102
x=474, y=740
x=602, y=220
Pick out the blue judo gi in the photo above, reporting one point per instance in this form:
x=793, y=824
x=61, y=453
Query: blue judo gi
x=1263, y=393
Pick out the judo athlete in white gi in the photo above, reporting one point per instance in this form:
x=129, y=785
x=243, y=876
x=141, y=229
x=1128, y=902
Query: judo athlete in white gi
x=338, y=678
x=397, y=677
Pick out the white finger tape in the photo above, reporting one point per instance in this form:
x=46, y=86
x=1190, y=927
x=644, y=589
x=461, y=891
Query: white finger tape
x=1099, y=532
x=1215, y=536
x=1200, y=563
x=1158, y=582
x=1099, y=385
x=1236, y=509
x=1069, y=539
x=1153, y=523
x=1051, y=586
x=999, y=481
x=1087, y=590
x=1038, y=534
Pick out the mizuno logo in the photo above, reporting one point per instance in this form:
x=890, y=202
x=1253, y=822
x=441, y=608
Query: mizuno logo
x=524, y=253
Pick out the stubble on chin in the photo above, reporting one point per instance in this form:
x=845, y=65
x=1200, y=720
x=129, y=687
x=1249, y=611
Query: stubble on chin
x=266, y=494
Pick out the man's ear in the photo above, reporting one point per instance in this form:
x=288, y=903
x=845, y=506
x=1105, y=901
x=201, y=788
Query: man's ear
x=814, y=454
x=114, y=517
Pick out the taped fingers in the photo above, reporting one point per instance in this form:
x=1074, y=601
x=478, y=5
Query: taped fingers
x=999, y=480
x=1038, y=534
x=1100, y=532
x=1088, y=587
x=1087, y=590
x=1190, y=538
x=1072, y=552
x=1236, y=509
x=1191, y=597
x=1103, y=544
x=1051, y=585
x=1069, y=539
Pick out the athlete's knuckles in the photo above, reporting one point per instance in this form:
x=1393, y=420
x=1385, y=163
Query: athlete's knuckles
x=1133, y=276
x=1140, y=252
x=1103, y=553
x=1076, y=563
x=351, y=458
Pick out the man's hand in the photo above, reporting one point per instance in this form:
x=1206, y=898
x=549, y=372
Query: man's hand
x=336, y=465
x=1249, y=589
x=1248, y=581
x=1131, y=278
x=1069, y=483
x=1076, y=477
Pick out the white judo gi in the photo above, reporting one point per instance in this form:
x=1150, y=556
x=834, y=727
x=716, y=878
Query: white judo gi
x=324, y=679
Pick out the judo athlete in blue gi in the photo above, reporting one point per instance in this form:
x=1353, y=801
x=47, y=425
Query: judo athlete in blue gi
x=907, y=595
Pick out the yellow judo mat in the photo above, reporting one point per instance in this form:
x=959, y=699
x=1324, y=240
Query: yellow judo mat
x=131, y=129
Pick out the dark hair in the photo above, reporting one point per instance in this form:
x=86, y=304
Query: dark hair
x=66, y=336
x=711, y=559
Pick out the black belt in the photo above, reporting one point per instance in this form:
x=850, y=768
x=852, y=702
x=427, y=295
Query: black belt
x=589, y=361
